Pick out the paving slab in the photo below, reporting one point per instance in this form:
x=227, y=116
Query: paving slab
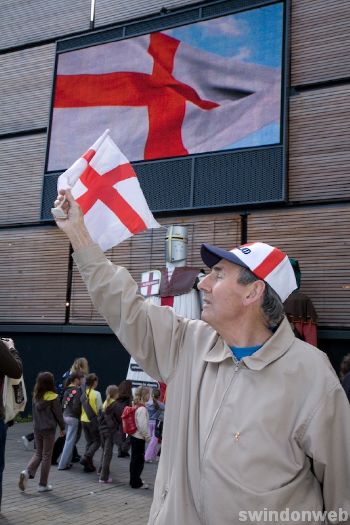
x=77, y=497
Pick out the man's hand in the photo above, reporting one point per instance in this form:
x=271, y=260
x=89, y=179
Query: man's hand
x=74, y=226
x=8, y=342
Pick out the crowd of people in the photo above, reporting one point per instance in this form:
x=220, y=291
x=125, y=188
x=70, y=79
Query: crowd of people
x=75, y=405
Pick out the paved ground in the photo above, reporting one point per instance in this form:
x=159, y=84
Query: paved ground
x=77, y=497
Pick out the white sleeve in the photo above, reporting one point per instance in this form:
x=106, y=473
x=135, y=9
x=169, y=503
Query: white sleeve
x=141, y=418
x=98, y=401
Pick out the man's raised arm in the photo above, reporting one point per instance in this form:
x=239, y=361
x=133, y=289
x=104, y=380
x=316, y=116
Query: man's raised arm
x=115, y=295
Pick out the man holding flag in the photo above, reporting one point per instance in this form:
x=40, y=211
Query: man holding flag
x=256, y=419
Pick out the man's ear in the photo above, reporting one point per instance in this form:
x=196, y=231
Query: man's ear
x=254, y=293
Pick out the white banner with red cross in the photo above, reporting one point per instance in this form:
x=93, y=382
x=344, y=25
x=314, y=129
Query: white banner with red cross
x=150, y=283
x=160, y=97
x=109, y=194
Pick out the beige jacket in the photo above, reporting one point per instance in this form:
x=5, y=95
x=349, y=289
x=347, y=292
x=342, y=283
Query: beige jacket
x=269, y=433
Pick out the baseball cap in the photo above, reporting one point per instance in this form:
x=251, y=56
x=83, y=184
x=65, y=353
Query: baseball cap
x=266, y=262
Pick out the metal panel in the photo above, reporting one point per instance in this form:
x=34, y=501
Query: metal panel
x=319, y=158
x=25, y=21
x=166, y=184
x=22, y=162
x=25, y=88
x=219, y=9
x=242, y=177
x=320, y=41
x=112, y=11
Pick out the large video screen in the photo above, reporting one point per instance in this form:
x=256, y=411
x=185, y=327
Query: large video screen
x=208, y=86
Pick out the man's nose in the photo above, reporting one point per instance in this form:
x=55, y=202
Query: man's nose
x=203, y=284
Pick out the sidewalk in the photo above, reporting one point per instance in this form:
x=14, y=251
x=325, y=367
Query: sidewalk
x=77, y=497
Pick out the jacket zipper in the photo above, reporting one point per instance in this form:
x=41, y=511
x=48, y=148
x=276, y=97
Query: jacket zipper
x=238, y=365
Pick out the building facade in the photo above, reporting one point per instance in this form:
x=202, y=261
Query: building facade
x=44, y=305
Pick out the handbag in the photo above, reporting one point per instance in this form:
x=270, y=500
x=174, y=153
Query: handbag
x=14, y=397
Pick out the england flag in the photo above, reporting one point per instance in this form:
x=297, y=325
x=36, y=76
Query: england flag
x=160, y=97
x=105, y=186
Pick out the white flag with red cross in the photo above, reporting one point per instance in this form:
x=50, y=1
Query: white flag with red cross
x=150, y=283
x=105, y=186
x=172, y=98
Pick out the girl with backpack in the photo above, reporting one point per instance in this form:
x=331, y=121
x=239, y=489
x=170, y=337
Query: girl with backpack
x=80, y=365
x=124, y=399
x=156, y=414
x=108, y=424
x=71, y=414
x=47, y=413
x=139, y=438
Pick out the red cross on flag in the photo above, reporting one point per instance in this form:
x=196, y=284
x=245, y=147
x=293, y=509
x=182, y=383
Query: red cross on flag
x=172, y=98
x=110, y=196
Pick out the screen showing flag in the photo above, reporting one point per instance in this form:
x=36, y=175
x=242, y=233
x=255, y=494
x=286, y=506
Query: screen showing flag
x=208, y=86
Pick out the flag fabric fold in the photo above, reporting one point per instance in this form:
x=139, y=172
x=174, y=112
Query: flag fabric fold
x=105, y=186
x=173, y=99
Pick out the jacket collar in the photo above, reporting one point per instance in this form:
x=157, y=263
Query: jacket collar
x=274, y=348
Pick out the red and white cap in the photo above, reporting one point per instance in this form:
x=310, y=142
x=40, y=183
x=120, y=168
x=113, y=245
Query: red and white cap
x=264, y=261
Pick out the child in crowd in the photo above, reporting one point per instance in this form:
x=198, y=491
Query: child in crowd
x=139, y=438
x=47, y=413
x=124, y=399
x=91, y=403
x=156, y=413
x=109, y=424
x=71, y=414
x=80, y=365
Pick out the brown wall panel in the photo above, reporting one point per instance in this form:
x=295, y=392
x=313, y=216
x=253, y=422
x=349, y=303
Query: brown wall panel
x=145, y=251
x=26, y=21
x=320, y=40
x=112, y=11
x=319, y=145
x=33, y=275
x=25, y=88
x=22, y=165
x=319, y=238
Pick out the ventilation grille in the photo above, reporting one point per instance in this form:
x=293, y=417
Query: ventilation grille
x=214, y=180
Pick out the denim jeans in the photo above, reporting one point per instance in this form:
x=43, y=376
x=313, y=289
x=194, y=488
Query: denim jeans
x=72, y=424
x=3, y=431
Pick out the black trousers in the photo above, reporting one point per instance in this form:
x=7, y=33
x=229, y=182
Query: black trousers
x=137, y=461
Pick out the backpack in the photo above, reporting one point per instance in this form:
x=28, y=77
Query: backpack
x=61, y=384
x=129, y=419
x=14, y=397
